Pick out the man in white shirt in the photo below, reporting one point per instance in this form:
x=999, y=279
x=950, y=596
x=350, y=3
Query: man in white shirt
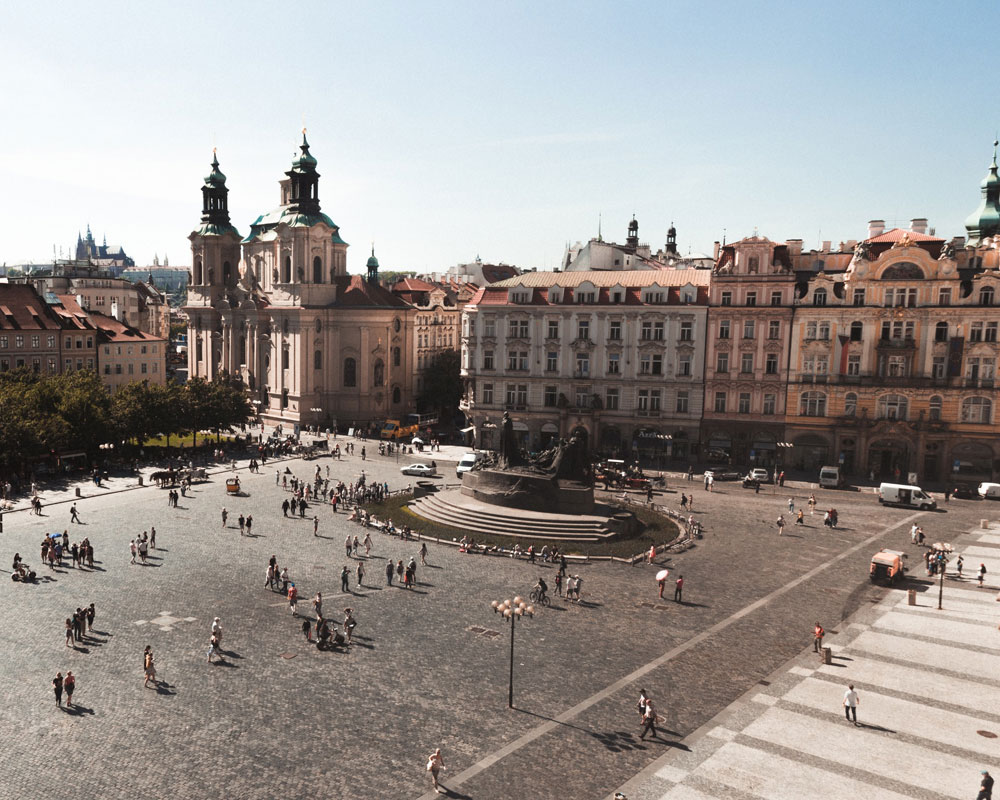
x=851, y=701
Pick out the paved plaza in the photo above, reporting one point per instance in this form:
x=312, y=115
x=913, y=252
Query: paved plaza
x=278, y=717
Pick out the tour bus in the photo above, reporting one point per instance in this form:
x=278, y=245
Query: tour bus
x=898, y=494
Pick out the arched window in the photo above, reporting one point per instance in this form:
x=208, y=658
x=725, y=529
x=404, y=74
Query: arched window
x=227, y=273
x=350, y=372
x=198, y=272
x=976, y=410
x=397, y=395
x=986, y=296
x=812, y=404
x=892, y=406
x=378, y=373
x=318, y=359
x=286, y=270
x=397, y=356
x=857, y=330
x=941, y=332
x=317, y=270
x=850, y=404
x=935, y=408
x=819, y=297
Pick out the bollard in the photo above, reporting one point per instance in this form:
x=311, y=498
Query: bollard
x=984, y=523
x=78, y=492
x=911, y=597
x=827, y=655
x=140, y=480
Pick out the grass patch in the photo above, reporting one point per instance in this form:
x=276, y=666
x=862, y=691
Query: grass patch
x=186, y=441
x=654, y=529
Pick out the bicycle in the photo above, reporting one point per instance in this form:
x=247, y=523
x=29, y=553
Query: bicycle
x=536, y=596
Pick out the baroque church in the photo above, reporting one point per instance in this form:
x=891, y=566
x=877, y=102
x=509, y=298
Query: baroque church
x=314, y=345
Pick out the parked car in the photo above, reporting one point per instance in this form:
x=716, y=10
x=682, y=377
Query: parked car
x=965, y=491
x=897, y=494
x=722, y=475
x=989, y=491
x=466, y=463
x=422, y=470
x=759, y=474
x=831, y=478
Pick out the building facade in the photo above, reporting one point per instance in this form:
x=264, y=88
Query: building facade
x=313, y=344
x=746, y=357
x=615, y=357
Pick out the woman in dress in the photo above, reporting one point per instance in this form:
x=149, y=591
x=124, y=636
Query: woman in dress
x=149, y=669
x=434, y=765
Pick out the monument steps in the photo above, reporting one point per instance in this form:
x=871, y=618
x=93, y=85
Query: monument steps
x=475, y=517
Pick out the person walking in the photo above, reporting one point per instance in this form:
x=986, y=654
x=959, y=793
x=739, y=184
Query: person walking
x=434, y=766
x=345, y=580
x=399, y=570
x=243, y=524
x=225, y=516
x=74, y=515
x=249, y=523
x=985, y=787
x=818, y=634
x=679, y=589
x=368, y=544
x=982, y=574
x=213, y=649
x=293, y=599
x=651, y=555
x=350, y=623
x=285, y=579
x=315, y=526
x=851, y=701
x=133, y=550
x=317, y=604
x=69, y=686
x=361, y=574
x=69, y=632
x=791, y=506
x=649, y=721
x=148, y=667
x=307, y=627
x=217, y=629
x=781, y=525
x=812, y=504
x=958, y=566
x=347, y=545
x=641, y=705
x=57, y=688
x=91, y=613
x=389, y=570
x=423, y=553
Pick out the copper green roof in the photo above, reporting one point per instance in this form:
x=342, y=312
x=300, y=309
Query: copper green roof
x=985, y=220
x=293, y=219
x=215, y=177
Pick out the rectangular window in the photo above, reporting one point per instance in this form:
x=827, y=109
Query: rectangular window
x=142, y=349
x=143, y=368
x=751, y=298
x=775, y=298
x=615, y=330
x=658, y=332
x=990, y=333
x=724, y=329
x=854, y=365
x=611, y=399
x=769, y=403
x=720, y=402
x=651, y=364
x=4, y=364
x=489, y=326
x=3, y=343
x=522, y=395
x=976, y=332
x=582, y=365
x=583, y=397
x=488, y=394
x=687, y=332
x=859, y=297
x=944, y=297
x=771, y=364
x=510, y=394
x=643, y=404
x=19, y=341
x=90, y=342
x=552, y=361
x=646, y=331
x=937, y=367
x=518, y=329
x=107, y=369
x=118, y=368
x=684, y=365
x=654, y=400
x=614, y=363
x=488, y=362
x=36, y=341
x=68, y=343
x=52, y=366
x=726, y=299
x=553, y=329
x=682, y=403
x=722, y=362
x=774, y=329
x=743, y=406
x=821, y=365
x=51, y=341
x=583, y=330
x=746, y=362
x=131, y=366
x=749, y=329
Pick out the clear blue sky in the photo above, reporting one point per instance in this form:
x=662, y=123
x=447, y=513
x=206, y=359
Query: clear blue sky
x=444, y=130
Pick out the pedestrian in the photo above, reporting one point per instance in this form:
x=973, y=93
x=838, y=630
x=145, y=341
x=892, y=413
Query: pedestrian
x=818, y=634
x=389, y=569
x=285, y=580
x=213, y=649
x=69, y=685
x=74, y=516
x=791, y=506
x=69, y=632
x=91, y=613
x=152, y=537
x=317, y=604
x=662, y=582
x=355, y=545
x=243, y=524
x=958, y=566
x=347, y=545
x=293, y=598
x=361, y=574
x=851, y=701
x=350, y=623
x=812, y=504
x=781, y=525
x=799, y=520
x=148, y=667
x=217, y=629
x=559, y=585
x=345, y=580
x=315, y=526
x=649, y=721
x=684, y=501
x=679, y=589
x=368, y=544
x=307, y=627
x=641, y=705
x=134, y=550
x=57, y=687
x=423, y=553
x=225, y=516
x=982, y=574
x=277, y=477
x=284, y=508
x=434, y=766
x=249, y=523
x=651, y=555
x=985, y=787
x=399, y=570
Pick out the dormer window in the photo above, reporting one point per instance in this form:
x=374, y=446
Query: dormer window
x=585, y=297
x=555, y=295
x=520, y=296
x=653, y=297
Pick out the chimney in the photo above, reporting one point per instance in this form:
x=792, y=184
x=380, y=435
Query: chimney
x=918, y=225
x=876, y=227
x=794, y=247
x=826, y=246
x=715, y=251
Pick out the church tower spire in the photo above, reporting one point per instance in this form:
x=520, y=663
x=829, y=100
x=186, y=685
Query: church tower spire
x=215, y=199
x=304, y=181
x=985, y=220
x=372, y=266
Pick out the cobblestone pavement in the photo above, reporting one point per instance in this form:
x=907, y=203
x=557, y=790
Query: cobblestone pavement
x=280, y=717
x=927, y=718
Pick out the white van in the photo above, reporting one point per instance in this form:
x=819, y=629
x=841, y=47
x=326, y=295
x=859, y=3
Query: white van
x=898, y=494
x=467, y=462
x=989, y=491
x=831, y=478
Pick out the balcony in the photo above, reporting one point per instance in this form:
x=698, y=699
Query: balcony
x=897, y=344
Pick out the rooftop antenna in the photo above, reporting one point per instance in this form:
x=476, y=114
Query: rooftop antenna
x=723, y=237
x=599, y=238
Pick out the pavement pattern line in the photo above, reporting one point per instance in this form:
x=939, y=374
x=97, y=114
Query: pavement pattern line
x=571, y=713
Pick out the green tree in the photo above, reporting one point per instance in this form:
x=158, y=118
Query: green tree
x=85, y=408
x=442, y=384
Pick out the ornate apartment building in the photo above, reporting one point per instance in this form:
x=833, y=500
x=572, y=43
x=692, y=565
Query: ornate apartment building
x=614, y=356
x=746, y=363
x=313, y=343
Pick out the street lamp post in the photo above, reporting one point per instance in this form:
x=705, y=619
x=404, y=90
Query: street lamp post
x=511, y=610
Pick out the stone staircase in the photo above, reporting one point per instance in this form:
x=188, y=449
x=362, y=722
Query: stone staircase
x=470, y=516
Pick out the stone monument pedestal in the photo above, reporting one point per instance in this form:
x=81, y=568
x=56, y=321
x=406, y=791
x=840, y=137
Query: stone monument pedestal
x=529, y=491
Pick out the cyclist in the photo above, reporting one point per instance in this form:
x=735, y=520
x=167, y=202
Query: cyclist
x=542, y=589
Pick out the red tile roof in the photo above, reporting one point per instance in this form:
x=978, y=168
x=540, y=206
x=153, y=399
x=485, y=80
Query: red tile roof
x=22, y=308
x=896, y=235
x=114, y=331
